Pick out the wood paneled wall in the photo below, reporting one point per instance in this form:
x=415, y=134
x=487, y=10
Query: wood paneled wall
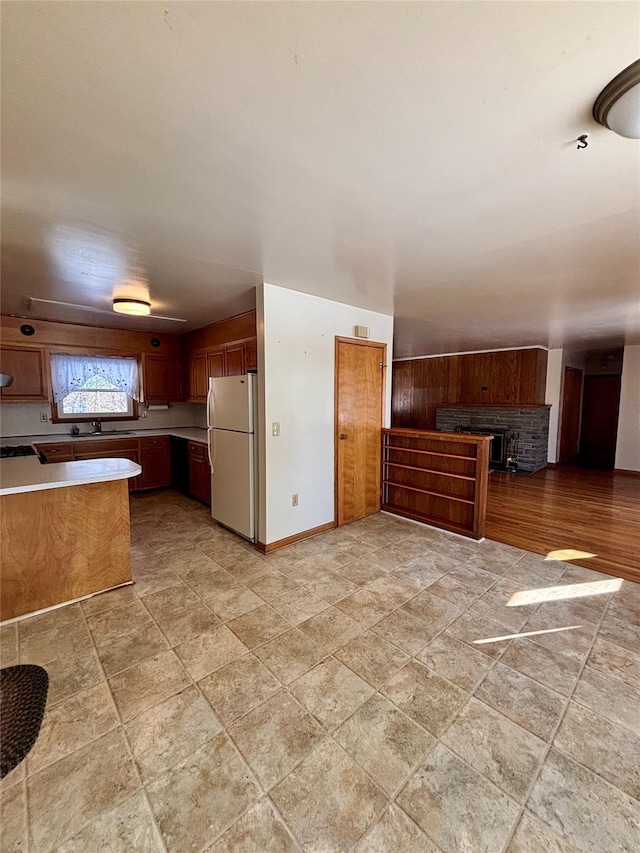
x=508, y=378
x=88, y=338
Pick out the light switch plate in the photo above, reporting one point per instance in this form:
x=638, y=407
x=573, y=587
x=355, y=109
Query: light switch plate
x=275, y=428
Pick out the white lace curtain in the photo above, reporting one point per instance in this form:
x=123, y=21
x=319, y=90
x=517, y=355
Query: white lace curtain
x=70, y=372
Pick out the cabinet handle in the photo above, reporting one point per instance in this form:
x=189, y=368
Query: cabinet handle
x=343, y=436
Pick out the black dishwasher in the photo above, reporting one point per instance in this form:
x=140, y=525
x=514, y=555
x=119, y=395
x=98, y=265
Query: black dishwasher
x=180, y=464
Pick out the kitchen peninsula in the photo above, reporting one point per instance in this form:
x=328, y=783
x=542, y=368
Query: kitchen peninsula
x=65, y=531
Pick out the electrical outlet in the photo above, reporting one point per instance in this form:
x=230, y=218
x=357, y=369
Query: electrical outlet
x=275, y=428
x=143, y=413
x=294, y=500
x=43, y=417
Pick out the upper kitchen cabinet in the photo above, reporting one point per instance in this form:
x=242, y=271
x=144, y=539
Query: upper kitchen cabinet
x=27, y=365
x=251, y=355
x=198, y=377
x=161, y=379
x=227, y=348
x=234, y=360
x=215, y=366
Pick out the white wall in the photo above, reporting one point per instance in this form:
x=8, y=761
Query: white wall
x=24, y=419
x=628, y=446
x=552, y=398
x=296, y=362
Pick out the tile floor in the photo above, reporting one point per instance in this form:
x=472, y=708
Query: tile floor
x=330, y=697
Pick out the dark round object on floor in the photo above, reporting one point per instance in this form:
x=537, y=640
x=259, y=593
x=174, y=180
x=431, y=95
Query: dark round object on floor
x=23, y=696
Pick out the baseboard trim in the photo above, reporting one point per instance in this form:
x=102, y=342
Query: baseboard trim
x=551, y=465
x=297, y=537
x=628, y=471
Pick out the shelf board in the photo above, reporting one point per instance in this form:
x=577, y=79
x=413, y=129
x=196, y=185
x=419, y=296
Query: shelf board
x=430, y=471
x=429, y=492
x=429, y=452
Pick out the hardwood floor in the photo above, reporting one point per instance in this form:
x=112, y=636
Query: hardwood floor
x=597, y=512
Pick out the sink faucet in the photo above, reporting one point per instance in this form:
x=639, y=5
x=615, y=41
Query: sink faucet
x=97, y=426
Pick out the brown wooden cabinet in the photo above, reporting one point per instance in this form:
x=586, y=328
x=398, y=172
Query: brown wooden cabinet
x=62, y=452
x=27, y=366
x=229, y=360
x=215, y=365
x=199, y=378
x=199, y=473
x=234, y=360
x=104, y=448
x=153, y=454
x=161, y=379
x=251, y=355
x=155, y=459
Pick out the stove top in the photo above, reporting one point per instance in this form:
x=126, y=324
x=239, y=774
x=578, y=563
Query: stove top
x=17, y=450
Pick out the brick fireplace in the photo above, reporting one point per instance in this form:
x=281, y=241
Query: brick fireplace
x=525, y=429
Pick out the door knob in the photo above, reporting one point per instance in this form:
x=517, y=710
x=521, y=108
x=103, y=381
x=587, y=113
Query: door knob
x=343, y=436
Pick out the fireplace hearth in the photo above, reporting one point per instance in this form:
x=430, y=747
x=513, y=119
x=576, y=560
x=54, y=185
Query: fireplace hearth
x=521, y=434
x=499, y=447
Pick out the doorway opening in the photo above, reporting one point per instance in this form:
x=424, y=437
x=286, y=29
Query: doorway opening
x=600, y=407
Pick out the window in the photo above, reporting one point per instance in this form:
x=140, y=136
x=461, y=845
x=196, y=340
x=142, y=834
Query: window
x=96, y=397
x=87, y=388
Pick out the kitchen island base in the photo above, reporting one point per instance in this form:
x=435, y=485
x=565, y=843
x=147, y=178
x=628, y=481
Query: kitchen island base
x=63, y=544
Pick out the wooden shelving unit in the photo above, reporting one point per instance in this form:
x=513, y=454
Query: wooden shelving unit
x=436, y=477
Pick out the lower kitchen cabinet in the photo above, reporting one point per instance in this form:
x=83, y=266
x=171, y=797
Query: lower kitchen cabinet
x=199, y=473
x=155, y=459
x=62, y=452
x=152, y=454
x=101, y=448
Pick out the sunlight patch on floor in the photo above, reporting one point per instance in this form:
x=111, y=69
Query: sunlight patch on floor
x=560, y=593
x=524, y=634
x=565, y=554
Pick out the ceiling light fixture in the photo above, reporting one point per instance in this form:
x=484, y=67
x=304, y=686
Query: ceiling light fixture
x=617, y=107
x=135, y=307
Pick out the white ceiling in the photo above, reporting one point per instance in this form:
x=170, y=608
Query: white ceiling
x=414, y=158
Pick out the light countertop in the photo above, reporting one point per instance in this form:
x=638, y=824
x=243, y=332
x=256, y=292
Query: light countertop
x=190, y=433
x=26, y=474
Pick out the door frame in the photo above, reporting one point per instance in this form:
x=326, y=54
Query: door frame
x=336, y=384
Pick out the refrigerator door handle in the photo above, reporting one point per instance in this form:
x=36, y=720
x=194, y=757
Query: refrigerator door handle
x=212, y=456
x=210, y=405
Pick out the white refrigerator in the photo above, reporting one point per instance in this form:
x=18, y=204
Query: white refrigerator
x=232, y=407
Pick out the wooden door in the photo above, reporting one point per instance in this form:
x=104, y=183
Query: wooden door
x=600, y=404
x=570, y=420
x=359, y=416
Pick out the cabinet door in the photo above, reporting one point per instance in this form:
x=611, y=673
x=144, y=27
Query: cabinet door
x=155, y=458
x=26, y=365
x=161, y=379
x=215, y=365
x=199, y=378
x=251, y=355
x=234, y=360
x=475, y=378
x=200, y=478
